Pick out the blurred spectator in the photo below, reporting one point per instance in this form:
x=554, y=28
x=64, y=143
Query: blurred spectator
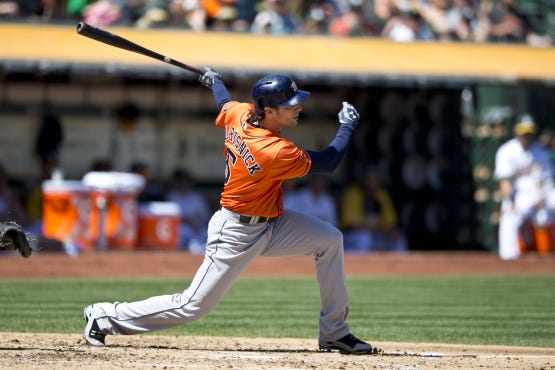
x=369, y=218
x=194, y=211
x=247, y=10
x=9, y=8
x=33, y=8
x=276, y=19
x=480, y=24
x=48, y=143
x=101, y=13
x=508, y=24
x=399, y=20
x=126, y=115
x=227, y=15
x=152, y=191
x=313, y=199
x=190, y=13
x=22, y=8
x=49, y=139
x=525, y=174
x=385, y=9
x=34, y=198
x=156, y=13
x=131, y=11
x=228, y=19
x=460, y=19
x=319, y=16
x=444, y=20
x=435, y=13
x=101, y=165
x=404, y=27
x=352, y=22
x=11, y=205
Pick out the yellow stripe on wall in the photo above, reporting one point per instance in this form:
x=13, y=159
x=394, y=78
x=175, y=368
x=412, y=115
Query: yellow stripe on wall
x=367, y=56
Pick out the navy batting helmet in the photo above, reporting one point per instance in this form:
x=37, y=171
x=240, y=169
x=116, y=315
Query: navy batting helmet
x=274, y=90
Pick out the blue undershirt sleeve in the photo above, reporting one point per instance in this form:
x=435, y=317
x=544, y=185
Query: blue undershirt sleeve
x=329, y=159
x=221, y=95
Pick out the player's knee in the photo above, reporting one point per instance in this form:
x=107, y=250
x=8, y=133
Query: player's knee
x=335, y=238
x=338, y=237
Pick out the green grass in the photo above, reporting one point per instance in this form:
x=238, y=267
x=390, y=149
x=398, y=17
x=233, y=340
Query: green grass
x=504, y=310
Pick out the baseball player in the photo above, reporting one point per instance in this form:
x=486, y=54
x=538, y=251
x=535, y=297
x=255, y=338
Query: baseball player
x=251, y=221
x=525, y=174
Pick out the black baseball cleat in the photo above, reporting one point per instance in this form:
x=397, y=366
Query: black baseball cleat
x=349, y=344
x=92, y=334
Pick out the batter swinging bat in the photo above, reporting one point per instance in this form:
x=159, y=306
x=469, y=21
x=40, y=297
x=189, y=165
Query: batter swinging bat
x=97, y=34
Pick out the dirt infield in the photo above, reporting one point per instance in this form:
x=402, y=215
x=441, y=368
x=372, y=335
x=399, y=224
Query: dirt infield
x=46, y=351
x=121, y=263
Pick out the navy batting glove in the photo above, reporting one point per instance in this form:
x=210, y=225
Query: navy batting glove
x=208, y=77
x=348, y=114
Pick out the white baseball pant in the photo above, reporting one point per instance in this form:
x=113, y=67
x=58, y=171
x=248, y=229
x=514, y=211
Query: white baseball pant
x=512, y=219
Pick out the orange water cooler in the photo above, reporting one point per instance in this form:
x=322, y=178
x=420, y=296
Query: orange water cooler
x=67, y=210
x=114, y=215
x=159, y=225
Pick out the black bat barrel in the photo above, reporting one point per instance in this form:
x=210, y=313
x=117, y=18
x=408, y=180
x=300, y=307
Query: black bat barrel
x=108, y=38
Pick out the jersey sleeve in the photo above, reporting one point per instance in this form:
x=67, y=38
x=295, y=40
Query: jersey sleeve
x=226, y=113
x=290, y=162
x=504, y=168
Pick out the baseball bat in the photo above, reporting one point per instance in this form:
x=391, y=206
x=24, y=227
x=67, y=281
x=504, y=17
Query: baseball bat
x=106, y=37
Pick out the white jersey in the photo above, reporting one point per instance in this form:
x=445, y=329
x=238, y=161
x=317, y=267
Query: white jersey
x=528, y=169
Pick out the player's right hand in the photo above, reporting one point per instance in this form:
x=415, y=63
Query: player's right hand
x=208, y=77
x=348, y=114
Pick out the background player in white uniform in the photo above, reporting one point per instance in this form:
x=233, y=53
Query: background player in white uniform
x=525, y=176
x=251, y=221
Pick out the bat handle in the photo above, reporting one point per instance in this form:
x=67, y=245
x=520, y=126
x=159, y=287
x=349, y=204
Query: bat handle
x=187, y=67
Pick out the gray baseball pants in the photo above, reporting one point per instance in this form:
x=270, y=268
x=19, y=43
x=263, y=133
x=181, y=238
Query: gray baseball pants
x=231, y=247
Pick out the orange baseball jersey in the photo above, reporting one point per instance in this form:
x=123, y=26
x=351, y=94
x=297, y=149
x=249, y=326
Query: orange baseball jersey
x=257, y=162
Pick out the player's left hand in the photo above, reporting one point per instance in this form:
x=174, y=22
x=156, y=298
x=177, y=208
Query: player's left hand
x=348, y=114
x=208, y=77
x=13, y=237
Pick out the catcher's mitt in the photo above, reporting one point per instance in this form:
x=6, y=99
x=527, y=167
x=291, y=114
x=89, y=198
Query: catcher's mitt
x=13, y=237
